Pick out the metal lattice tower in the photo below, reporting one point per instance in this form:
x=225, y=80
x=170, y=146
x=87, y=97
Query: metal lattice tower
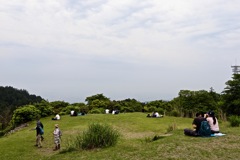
x=236, y=69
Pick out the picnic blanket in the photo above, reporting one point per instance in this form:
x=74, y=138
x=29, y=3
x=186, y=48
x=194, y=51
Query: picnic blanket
x=217, y=134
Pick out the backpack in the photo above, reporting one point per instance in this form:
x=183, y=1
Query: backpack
x=41, y=131
x=205, y=130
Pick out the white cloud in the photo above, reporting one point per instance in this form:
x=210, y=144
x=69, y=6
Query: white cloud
x=98, y=43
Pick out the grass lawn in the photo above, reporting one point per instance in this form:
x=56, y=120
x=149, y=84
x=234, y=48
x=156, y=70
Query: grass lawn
x=135, y=130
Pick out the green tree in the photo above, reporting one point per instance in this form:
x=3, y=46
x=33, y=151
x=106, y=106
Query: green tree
x=58, y=106
x=231, y=96
x=190, y=102
x=12, y=98
x=97, y=101
x=99, y=97
x=45, y=108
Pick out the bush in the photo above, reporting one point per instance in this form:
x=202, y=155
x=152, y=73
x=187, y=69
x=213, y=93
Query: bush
x=234, y=121
x=160, y=111
x=124, y=109
x=99, y=136
x=152, y=109
x=68, y=109
x=25, y=114
x=45, y=108
x=97, y=111
x=175, y=113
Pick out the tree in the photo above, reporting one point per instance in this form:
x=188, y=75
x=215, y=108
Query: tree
x=97, y=101
x=58, y=106
x=231, y=96
x=190, y=102
x=12, y=98
x=100, y=97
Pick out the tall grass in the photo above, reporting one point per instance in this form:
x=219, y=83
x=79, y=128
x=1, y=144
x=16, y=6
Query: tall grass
x=97, y=136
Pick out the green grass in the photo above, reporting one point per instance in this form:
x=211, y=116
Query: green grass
x=134, y=144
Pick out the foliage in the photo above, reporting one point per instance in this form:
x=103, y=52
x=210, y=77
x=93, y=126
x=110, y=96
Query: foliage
x=68, y=109
x=234, y=121
x=175, y=113
x=130, y=105
x=99, y=136
x=25, y=114
x=58, y=106
x=190, y=102
x=97, y=111
x=99, y=97
x=231, y=96
x=45, y=108
x=10, y=99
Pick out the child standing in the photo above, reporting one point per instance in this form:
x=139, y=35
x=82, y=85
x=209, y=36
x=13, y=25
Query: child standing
x=57, y=137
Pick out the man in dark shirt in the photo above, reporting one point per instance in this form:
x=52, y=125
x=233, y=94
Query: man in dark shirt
x=38, y=134
x=196, y=125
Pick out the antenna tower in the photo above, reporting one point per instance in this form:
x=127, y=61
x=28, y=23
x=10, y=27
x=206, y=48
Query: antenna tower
x=236, y=69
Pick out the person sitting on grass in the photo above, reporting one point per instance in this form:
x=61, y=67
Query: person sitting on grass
x=57, y=117
x=196, y=125
x=213, y=122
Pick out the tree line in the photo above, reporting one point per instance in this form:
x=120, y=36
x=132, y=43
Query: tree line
x=18, y=106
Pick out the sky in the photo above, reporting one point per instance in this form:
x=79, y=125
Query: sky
x=148, y=50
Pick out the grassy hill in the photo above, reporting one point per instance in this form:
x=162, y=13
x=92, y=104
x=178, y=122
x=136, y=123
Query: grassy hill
x=135, y=131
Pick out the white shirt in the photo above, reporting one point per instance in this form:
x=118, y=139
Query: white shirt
x=57, y=116
x=107, y=111
x=157, y=114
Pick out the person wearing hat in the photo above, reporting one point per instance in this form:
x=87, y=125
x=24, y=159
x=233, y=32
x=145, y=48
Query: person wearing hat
x=213, y=122
x=57, y=137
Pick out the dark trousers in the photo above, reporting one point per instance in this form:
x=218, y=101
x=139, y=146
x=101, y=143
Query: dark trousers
x=190, y=132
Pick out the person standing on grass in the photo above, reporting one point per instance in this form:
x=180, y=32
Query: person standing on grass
x=57, y=137
x=196, y=125
x=39, y=132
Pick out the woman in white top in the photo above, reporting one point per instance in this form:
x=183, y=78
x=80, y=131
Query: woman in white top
x=213, y=122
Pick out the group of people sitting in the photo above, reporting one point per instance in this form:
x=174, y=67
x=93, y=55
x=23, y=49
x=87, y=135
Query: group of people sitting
x=75, y=113
x=155, y=114
x=209, y=117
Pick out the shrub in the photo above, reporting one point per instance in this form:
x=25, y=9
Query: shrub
x=175, y=113
x=234, y=121
x=160, y=111
x=68, y=109
x=45, y=108
x=97, y=111
x=25, y=114
x=84, y=109
x=126, y=109
x=152, y=109
x=99, y=136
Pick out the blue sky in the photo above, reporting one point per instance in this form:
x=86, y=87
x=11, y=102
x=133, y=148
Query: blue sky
x=148, y=50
